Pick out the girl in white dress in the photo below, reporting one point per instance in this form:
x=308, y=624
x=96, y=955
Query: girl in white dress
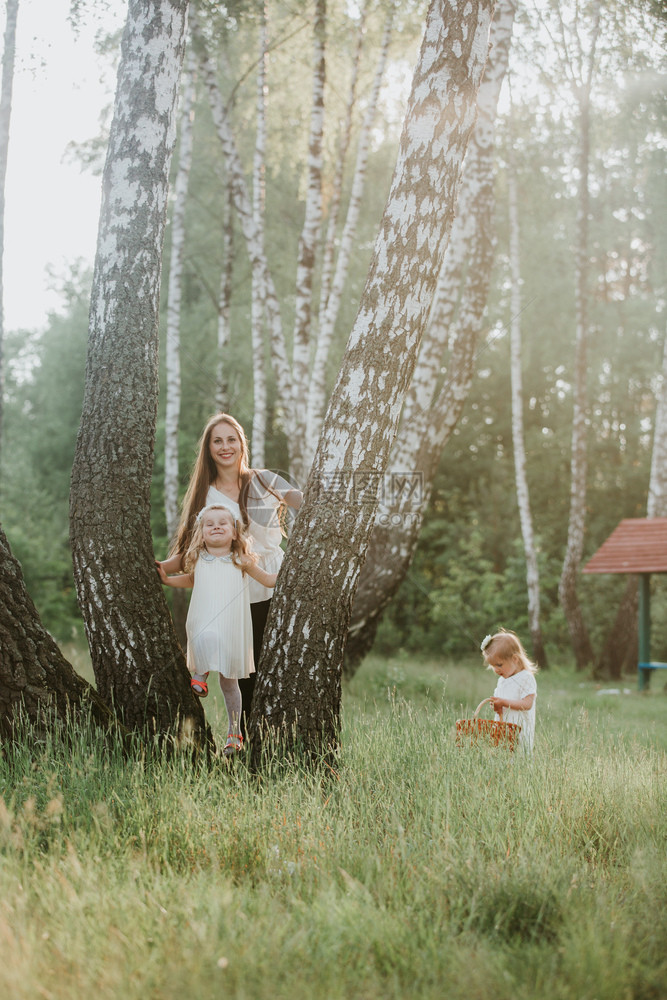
x=256, y=497
x=516, y=690
x=218, y=563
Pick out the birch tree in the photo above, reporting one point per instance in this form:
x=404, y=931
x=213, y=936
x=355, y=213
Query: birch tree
x=433, y=406
x=299, y=679
x=138, y=664
x=580, y=66
x=259, y=410
x=173, y=345
x=8, y=55
x=518, y=440
x=299, y=382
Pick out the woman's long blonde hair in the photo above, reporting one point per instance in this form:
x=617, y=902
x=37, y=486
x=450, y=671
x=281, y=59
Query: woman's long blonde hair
x=204, y=473
x=240, y=543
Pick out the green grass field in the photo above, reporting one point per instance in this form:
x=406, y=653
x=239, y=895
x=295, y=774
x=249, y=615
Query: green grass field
x=413, y=870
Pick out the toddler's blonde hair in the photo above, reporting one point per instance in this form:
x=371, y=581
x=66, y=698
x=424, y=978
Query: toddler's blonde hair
x=240, y=544
x=503, y=646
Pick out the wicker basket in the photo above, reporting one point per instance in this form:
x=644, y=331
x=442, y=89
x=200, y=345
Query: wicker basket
x=486, y=732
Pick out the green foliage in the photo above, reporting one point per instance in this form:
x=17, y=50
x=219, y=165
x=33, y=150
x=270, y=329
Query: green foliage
x=412, y=867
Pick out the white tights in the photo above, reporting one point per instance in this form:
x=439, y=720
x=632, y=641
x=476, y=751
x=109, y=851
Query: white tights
x=232, y=695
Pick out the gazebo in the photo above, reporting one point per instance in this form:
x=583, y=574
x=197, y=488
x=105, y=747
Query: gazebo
x=638, y=545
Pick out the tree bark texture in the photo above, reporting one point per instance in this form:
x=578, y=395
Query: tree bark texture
x=139, y=666
x=657, y=489
x=431, y=413
x=9, y=52
x=518, y=438
x=259, y=409
x=35, y=678
x=299, y=679
x=567, y=588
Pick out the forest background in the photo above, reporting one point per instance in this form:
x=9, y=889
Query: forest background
x=469, y=571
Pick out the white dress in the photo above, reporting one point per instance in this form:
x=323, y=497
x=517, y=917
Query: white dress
x=219, y=626
x=264, y=525
x=515, y=688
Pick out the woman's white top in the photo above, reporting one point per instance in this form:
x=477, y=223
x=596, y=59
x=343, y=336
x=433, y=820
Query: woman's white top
x=515, y=688
x=264, y=525
x=219, y=624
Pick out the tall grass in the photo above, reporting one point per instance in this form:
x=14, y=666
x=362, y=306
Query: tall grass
x=412, y=869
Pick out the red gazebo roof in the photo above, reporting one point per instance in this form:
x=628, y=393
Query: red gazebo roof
x=637, y=545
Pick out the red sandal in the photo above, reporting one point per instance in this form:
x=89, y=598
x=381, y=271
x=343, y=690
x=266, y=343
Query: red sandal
x=233, y=745
x=200, y=688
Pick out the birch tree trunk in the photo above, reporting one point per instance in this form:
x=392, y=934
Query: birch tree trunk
x=567, y=588
x=306, y=255
x=8, y=55
x=657, y=490
x=431, y=414
x=518, y=440
x=297, y=696
x=139, y=666
x=224, y=301
x=329, y=314
x=243, y=207
x=259, y=414
x=35, y=678
x=179, y=603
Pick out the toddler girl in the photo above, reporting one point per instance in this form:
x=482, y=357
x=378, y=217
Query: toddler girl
x=219, y=626
x=516, y=690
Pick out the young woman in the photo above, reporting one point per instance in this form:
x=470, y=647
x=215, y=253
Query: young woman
x=256, y=497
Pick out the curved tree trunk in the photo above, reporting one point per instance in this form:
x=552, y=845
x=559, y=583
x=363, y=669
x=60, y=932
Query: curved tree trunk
x=35, y=678
x=430, y=415
x=297, y=695
x=138, y=663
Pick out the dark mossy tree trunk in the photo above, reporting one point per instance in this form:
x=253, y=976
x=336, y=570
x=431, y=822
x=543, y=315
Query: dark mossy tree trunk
x=138, y=663
x=35, y=677
x=297, y=696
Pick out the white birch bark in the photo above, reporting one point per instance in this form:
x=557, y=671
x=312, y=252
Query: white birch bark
x=299, y=678
x=567, y=588
x=173, y=345
x=431, y=414
x=9, y=51
x=657, y=489
x=224, y=301
x=518, y=439
x=345, y=132
x=138, y=664
x=243, y=207
x=317, y=388
x=259, y=414
x=306, y=253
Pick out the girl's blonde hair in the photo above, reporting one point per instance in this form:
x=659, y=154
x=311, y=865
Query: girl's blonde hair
x=240, y=544
x=503, y=646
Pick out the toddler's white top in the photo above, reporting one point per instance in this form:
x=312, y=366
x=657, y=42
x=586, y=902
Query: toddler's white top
x=514, y=688
x=264, y=525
